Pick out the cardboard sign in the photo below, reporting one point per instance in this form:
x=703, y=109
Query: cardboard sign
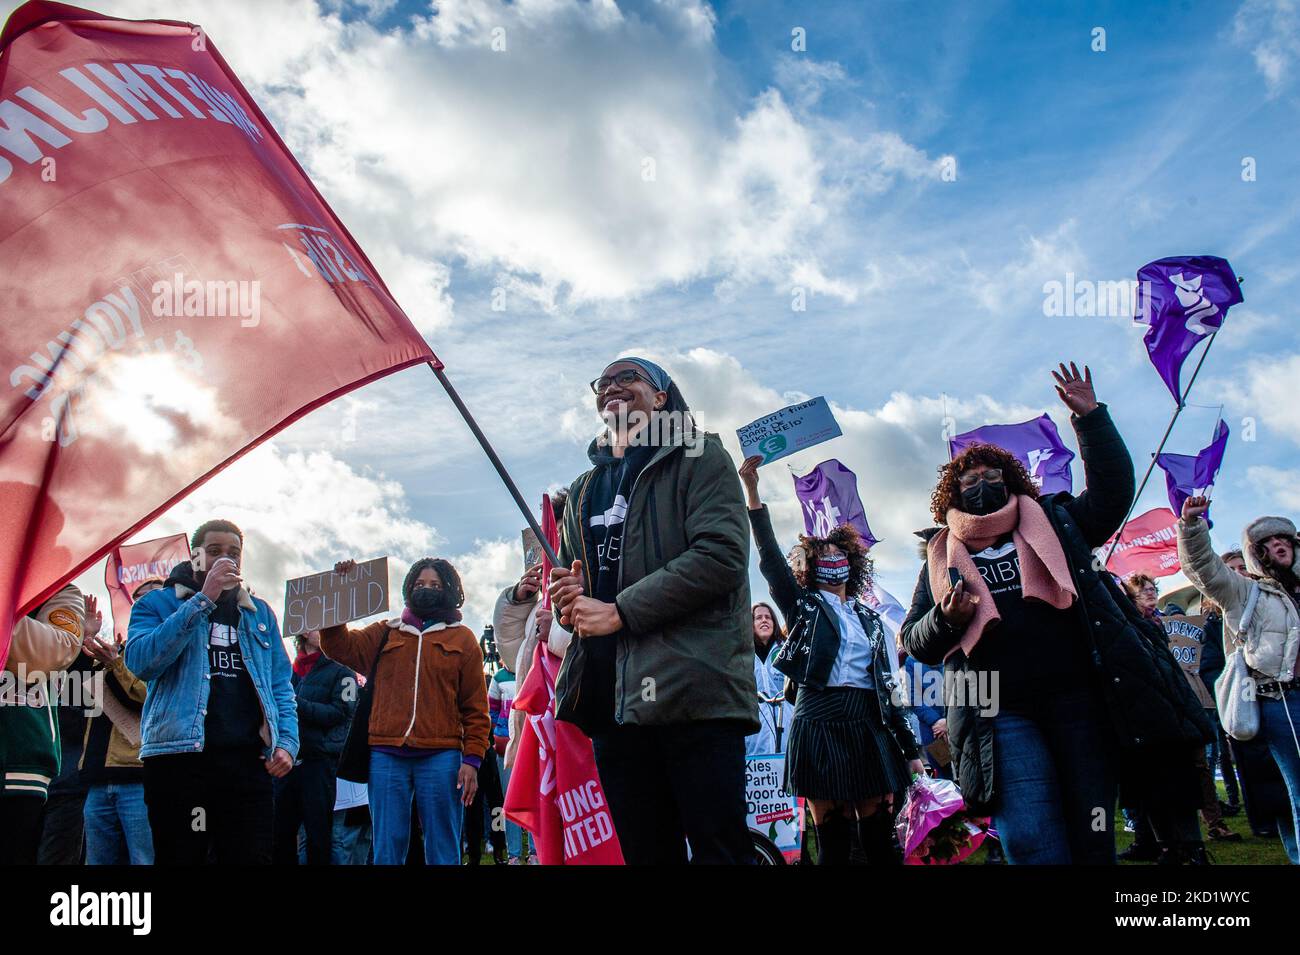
x=788, y=431
x=328, y=599
x=533, y=553
x=769, y=808
x=1186, y=639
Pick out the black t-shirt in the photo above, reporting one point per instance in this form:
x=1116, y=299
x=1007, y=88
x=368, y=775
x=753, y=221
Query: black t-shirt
x=1036, y=649
x=234, y=712
x=603, y=513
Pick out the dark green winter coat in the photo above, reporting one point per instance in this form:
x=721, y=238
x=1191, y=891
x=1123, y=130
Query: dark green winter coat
x=686, y=652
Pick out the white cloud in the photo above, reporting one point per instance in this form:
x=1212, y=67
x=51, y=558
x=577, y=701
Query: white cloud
x=1264, y=388
x=534, y=159
x=1042, y=259
x=1271, y=28
x=1277, y=486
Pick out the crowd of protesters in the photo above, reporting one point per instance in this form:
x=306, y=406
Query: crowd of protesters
x=202, y=741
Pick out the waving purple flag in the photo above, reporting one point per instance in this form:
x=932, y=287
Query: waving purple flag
x=1189, y=475
x=1036, y=443
x=829, y=495
x=1182, y=299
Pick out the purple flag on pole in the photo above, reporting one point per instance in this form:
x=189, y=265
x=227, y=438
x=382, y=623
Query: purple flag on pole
x=1189, y=475
x=1182, y=300
x=829, y=495
x=1036, y=443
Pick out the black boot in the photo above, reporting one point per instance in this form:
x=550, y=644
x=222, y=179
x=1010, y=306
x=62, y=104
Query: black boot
x=833, y=838
x=879, y=842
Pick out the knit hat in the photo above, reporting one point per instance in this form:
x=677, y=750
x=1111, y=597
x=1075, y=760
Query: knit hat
x=1260, y=529
x=658, y=377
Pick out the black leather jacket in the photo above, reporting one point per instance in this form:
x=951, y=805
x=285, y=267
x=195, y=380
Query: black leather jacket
x=805, y=610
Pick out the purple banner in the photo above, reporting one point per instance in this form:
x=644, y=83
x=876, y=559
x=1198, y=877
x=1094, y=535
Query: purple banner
x=1190, y=475
x=829, y=495
x=1182, y=300
x=1036, y=443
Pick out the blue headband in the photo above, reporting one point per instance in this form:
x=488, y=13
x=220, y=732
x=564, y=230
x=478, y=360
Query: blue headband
x=658, y=377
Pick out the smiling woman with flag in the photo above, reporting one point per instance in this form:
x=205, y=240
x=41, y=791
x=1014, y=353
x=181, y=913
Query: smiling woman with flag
x=1065, y=687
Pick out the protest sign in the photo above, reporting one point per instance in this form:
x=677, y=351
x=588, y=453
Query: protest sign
x=769, y=808
x=1186, y=639
x=533, y=552
x=788, y=431
x=328, y=599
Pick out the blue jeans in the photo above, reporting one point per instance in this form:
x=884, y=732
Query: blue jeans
x=430, y=781
x=117, y=825
x=1054, y=782
x=351, y=844
x=1276, y=730
x=514, y=832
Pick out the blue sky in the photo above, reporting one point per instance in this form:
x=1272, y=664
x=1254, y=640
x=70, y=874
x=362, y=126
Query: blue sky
x=463, y=170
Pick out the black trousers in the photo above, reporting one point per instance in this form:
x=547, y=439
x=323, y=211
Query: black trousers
x=62, y=830
x=668, y=785
x=305, y=798
x=20, y=829
x=213, y=806
x=487, y=803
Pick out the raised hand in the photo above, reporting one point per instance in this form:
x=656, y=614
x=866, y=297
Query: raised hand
x=749, y=478
x=1195, y=507
x=1075, y=390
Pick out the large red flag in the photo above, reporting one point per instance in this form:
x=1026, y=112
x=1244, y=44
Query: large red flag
x=174, y=292
x=1148, y=543
x=130, y=565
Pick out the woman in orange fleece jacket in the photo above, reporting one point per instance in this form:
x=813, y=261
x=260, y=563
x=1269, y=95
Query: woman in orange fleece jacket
x=428, y=728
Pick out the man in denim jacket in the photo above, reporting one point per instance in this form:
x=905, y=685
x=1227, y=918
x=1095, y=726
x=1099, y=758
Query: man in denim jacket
x=220, y=721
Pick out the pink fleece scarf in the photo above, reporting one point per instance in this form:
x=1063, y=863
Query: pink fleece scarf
x=1044, y=571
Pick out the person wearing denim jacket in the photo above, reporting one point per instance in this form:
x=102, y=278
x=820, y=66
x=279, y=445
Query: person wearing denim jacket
x=220, y=720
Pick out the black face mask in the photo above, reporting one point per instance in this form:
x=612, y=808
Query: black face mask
x=984, y=498
x=426, y=601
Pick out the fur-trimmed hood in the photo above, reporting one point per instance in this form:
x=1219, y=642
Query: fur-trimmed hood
x=1262, y=528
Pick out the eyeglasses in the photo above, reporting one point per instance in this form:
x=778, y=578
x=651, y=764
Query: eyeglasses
x=970, y=478
x=622, y=379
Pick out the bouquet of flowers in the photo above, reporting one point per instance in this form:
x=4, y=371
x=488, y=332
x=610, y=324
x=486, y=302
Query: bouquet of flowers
x=934, y=826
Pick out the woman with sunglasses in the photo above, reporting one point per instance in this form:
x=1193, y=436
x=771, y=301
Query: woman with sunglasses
x=1058, y=684
x=654, y=582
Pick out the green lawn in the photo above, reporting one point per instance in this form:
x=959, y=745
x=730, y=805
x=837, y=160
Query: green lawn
x=1250, y=851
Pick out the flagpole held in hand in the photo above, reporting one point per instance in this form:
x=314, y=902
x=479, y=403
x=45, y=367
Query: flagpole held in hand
x=496, y=463
x=1168, y=431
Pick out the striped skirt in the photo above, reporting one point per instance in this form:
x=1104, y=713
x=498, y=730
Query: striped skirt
x=839, y=750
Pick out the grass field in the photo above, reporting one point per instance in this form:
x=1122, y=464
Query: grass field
x=1252, y=850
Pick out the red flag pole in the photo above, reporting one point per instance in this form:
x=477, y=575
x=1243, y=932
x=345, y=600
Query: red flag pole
x=1152, y=466
x=496, y=463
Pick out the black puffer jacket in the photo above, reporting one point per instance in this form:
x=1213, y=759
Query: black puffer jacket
x=803, y=609
x=1154, y=714
x=326, y=701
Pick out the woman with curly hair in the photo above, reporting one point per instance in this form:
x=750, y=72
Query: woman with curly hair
x=428, y=719
x=850, y=747
x=1056, y=684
